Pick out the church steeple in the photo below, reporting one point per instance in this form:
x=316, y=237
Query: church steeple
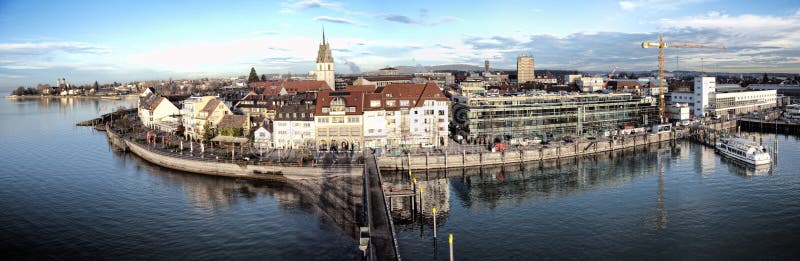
x=324, y=54
x=324, y=71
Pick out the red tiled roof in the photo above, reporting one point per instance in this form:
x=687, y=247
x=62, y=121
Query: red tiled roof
x=360, y=88
x=369, y=97
x=306, y=86
x=351, y=99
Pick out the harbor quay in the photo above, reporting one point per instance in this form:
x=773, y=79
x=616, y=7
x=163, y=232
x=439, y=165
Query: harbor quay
x=444, y=160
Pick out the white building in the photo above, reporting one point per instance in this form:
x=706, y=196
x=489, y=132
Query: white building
x=708, y=100
x=741, y=102
x=375, y=121
x=571, y=78
x=197, y=111
x=590, y=84
x=157, y=112
x=262, y=139
x=680, y=112
x=338, y=119
x=703, y=88
x=442, y=79
x=416, y=114
x=684, y=98
x=294, y=125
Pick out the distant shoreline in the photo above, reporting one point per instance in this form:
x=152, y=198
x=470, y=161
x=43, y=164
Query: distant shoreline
x=114, y=97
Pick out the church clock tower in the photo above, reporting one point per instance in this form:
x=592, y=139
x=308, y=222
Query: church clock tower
x=324, y=71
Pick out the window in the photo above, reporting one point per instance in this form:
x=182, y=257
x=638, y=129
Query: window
x=391, y=103
x=404, y=103
x=338, y=120
x=337, y=104
x=353, y=120
x=441, y=112
x=375, y=103
x=322, y=120
x=351, y=109
x=324, y=109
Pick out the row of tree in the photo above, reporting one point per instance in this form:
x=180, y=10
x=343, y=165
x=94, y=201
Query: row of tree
x=25, y=91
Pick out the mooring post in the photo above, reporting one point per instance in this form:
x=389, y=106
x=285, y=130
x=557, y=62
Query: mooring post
x=451, y=246
x=434, y=223
x=421, y=204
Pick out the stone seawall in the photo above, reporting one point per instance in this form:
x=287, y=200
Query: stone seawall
x=226, y=168
x=542, y=153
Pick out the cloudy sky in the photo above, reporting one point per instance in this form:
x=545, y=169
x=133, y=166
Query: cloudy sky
x=113, y=40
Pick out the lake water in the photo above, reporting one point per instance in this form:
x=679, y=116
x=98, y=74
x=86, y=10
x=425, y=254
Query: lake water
x=683, y=202
x=65, y=194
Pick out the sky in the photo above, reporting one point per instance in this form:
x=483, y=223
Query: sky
x=112, y=40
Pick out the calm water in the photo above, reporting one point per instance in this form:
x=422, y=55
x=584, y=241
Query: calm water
x=681, y=203
x=65, y=195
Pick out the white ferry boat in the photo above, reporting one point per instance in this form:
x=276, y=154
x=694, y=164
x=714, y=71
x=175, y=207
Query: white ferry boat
x=743, y=150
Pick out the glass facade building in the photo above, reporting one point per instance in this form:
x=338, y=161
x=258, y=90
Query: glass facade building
x=551, y=117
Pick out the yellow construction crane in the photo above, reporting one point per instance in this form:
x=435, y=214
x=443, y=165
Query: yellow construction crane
x=661, y=45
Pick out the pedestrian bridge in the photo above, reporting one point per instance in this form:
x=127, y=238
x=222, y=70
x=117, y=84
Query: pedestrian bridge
x=382, y=238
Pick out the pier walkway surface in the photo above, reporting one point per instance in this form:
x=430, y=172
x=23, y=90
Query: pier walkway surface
x=383, y=242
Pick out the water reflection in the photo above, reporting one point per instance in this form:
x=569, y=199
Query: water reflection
x=492, y=187
x=335, y=200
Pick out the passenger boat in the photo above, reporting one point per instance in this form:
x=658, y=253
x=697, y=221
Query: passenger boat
x=743, y=150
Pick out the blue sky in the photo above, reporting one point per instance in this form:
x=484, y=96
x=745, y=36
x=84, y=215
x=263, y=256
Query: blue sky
x=113, y=40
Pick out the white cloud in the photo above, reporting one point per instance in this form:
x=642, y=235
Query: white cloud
x=337, y=20
x=293, y=6
x=46, y=47
x=627, y=5
x=653, y=5
x=743, y=30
